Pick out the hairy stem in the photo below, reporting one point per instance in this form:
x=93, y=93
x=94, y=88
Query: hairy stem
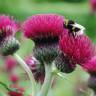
x=47, y=82
x=28, y=71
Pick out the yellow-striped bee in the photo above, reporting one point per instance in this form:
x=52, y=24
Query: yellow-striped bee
x=74, y=28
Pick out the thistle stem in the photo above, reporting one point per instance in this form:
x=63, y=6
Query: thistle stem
x=28, y=71
x=5, y=86
x=47, y=82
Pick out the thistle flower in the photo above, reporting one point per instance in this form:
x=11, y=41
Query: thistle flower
x=14, y=78
x=9, y=45
x=8, y=27
x=10, y=63
x=43, y=26
x=45, y=30
x=93, y=5
x=13, y=93
x=79, y=49
x=36, y=68
x=90, y=66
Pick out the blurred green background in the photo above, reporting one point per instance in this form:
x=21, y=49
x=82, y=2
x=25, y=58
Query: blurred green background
x=77, y=10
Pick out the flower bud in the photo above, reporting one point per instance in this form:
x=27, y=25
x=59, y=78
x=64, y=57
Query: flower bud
x=9, y=46
x=46, y=53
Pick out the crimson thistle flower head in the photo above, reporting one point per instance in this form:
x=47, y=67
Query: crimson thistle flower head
x=43, y=26
x=93, y=5
x=8, y=27
x=14, y=78
x=90, y=66
x=45, y=30
x=79, y=49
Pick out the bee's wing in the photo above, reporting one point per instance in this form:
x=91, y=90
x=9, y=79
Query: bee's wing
x=82, y=28
x=79, y=26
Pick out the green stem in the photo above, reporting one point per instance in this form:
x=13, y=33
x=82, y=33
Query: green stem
x=47, y=82
x=28, y=71
x=5, y=86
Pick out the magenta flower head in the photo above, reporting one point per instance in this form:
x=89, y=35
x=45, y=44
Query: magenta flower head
x=90, y=66
x=8, y=28
x=14, y=78
x=44, y=30
x=74, y=51
x=36, y=68
x=79, y=49
x=43, y=26
x=10, y=63
x=93, y=5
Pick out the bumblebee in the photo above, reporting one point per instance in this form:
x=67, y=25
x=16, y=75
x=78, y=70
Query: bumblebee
x=74, y=28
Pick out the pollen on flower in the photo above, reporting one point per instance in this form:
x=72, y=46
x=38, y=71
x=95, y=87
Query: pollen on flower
x=7, y=26
x=79, y=49
x=43, y=26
